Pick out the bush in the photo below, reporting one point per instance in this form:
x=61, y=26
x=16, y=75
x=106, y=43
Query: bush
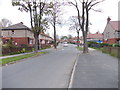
x=9, y=44
x=115, y=45
x=23, y=50
x=94, y=44
x=104, y=44
x=23, y=45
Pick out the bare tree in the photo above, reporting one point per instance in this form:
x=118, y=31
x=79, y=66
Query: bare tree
x=54, y=13
x=74, y=25
x=5, y=23
x=36, y=9
x=86, y=6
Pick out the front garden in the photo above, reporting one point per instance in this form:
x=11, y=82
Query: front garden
x=10, y=49
x=112, y=49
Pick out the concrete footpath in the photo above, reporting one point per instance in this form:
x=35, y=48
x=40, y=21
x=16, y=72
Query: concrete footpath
x=96, y=70
x=44, y=50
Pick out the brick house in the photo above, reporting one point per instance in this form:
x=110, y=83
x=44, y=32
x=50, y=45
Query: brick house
x=45, y=39
x=73, y=40
x=112, y=32
x=22, y=35
x=19, y=34
x=97, y=37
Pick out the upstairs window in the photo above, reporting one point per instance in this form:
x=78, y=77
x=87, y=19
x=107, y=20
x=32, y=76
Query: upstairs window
x=107, y=34
x=118, y=33
x=13, y=32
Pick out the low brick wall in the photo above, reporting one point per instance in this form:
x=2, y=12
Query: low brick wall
x=115, y=51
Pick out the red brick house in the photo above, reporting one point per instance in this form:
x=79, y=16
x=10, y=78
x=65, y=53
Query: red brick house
x=19, y=34
x=45, y=39
x=73, y=40
x=112, y=32
x=22, y=35
x=97, y=37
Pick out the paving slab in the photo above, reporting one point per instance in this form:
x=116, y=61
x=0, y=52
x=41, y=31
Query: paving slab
x=96, y=70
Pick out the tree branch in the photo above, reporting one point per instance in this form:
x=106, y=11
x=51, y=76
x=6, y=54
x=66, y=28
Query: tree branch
x=90, y=6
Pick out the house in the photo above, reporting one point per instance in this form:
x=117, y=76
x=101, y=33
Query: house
x=111, y=32
x=45, y=39
x=74, y=40
x=19, y=34
x=22, y=35
x=0, y=37
x=97, y=37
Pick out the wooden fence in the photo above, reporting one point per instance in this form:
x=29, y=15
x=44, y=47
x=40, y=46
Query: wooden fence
x=115, y=51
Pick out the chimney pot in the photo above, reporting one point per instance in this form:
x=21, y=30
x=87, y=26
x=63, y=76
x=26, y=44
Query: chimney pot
x=21, y=22
x=108, y=19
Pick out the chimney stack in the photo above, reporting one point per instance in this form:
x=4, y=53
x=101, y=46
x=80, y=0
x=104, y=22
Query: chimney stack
x=21, y=22
x=108, y=19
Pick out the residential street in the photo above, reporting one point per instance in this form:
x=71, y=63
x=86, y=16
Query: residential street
x=51, y=70
x=96, y=70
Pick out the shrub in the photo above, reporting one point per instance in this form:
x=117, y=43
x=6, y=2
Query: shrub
x=115, y=45
x=23, y=50
x=23, y=45
x=9, y=44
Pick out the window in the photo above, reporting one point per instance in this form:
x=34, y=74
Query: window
x=107, y=34
x=13, y=32
x=117, y=34
x=30, y=42
x=6, y=41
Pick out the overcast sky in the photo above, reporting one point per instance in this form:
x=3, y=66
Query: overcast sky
x=98, y=20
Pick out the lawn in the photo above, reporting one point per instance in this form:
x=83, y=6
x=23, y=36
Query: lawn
x=79, y=48
x=17, y=58
x=97, y=48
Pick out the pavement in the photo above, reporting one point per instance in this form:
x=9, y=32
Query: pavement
x=52, y=70
x=96, y=70
x=44, y=50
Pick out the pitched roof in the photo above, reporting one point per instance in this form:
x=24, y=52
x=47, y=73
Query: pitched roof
x=18, y=26
x=43, y=34
x=115, y=25
x=95, y=36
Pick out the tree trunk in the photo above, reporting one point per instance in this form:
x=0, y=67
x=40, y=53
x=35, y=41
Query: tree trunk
x=36, y=43
x=78, y=38
x=87, y=19
x=55, y=45
x=54, y=26
x=85, y=45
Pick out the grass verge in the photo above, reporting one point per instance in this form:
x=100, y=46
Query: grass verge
x=105, y=51
x=97, y=48
x=80, y=48
x=17, y=58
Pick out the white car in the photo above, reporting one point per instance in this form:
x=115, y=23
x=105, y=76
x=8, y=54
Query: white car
x=65, y=45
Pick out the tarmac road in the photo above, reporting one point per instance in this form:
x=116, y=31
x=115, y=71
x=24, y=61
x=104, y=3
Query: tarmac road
x=51, y=70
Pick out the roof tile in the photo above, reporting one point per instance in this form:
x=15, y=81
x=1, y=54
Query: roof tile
x=115, y=25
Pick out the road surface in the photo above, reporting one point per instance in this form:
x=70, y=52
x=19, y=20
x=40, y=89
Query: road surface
x=51, y=70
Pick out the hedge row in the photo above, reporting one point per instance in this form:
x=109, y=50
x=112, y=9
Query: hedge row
x=95, y=44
